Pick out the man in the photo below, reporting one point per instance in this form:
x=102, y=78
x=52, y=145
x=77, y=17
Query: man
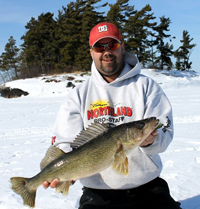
x=117, y=93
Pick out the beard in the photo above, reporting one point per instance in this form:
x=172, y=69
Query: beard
x=110, y=65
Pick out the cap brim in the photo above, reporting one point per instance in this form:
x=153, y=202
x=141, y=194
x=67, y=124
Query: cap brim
x=113, y=37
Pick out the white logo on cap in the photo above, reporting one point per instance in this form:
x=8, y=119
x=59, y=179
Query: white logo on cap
x=102, y=28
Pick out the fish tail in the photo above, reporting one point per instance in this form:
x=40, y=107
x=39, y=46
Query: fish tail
x=20, y=186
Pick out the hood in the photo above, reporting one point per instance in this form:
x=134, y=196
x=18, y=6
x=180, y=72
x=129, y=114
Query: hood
x=131, y=68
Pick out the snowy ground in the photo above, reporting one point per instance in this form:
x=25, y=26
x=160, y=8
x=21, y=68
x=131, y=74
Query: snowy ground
x=25, y=133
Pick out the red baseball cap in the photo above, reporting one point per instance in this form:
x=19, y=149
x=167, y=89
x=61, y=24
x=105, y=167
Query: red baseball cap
x=104, y=30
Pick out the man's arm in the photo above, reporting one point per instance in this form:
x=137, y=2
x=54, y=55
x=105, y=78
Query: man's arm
x=158, y=105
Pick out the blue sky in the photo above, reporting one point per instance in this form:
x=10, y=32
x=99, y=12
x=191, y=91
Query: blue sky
x=184, y=14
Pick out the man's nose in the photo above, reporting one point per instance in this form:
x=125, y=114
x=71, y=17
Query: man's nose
x=107, y=50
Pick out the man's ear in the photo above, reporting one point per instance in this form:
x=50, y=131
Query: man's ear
x=91, y=53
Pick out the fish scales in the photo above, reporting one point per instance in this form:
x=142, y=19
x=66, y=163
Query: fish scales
x=95, y=149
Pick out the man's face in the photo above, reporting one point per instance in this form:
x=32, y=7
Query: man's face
x=109, y=63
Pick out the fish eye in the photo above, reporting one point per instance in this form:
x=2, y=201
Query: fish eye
x=140, y=125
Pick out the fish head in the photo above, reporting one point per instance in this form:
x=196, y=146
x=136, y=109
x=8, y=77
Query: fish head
x=137, y=131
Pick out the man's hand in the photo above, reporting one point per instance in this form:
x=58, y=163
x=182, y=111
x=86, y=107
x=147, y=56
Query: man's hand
x=53, y=184
x=150, y=139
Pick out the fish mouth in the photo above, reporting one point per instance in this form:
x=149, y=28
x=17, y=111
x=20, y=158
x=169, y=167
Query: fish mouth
x=154, y=119
x=157, y=123
x=151, y=120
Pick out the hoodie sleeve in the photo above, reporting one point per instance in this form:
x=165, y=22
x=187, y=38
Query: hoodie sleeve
x=69, y=121
x=158, y=105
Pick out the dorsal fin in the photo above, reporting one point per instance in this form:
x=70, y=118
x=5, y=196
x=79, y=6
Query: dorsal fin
x=51, y=154
x=90, y=133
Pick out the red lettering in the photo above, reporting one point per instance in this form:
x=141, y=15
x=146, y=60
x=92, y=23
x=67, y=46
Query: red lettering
x=96, y=113
x=113, y=112
x=109, y=110
x=118, y=111
x=90, y=114
x=129, y=111
x=101, y=111
x=123, y=110
x=105, y=110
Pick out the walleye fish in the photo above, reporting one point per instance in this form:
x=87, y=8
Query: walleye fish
x=95, y=149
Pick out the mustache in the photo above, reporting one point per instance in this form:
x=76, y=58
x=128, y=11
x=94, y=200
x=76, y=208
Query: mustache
x=108, y=56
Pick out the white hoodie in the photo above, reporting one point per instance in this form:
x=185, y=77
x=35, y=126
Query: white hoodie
x=130, y=97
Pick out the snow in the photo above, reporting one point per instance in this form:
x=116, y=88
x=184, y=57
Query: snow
x=25, y=133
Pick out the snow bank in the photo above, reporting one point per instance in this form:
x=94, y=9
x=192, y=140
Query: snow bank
x=25, y=132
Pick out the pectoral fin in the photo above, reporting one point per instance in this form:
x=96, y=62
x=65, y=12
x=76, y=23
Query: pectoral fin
x=63, y=187
x=120, y=164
